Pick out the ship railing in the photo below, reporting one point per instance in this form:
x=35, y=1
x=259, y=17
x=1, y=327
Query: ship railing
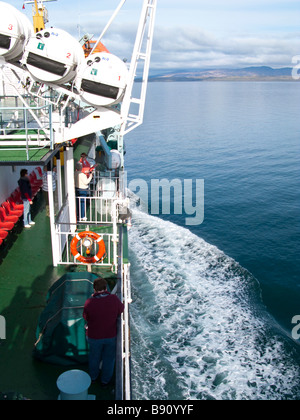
x=28, y=125
x=127, y=300
x=123, y=357
x=96, y=210
x=65, y=255
x=104, y=184
x=96, y=205
x=101, y=217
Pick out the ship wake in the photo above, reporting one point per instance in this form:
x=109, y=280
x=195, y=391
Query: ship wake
x=199, y=329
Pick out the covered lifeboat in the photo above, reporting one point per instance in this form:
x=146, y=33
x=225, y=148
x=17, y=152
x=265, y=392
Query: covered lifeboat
x=102, y=79
x=53, y=56
x=15, y=31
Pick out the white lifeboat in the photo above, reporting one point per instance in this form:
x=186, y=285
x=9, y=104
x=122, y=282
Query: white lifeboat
x=102, y=79
x=15, y=31
x=53, y=56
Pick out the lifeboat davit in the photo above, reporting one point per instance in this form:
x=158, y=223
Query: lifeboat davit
x=102, y=79
x=15, y=31
x=53, y=56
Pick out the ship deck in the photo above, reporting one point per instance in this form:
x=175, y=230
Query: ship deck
x=26, y=274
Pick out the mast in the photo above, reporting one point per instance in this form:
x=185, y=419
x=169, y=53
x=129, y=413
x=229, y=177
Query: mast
x=39, y=14
x=38, y=18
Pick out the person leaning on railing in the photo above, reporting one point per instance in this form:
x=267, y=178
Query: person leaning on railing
x=101, y=313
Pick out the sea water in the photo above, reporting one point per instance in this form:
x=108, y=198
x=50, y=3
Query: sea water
x=213, y=304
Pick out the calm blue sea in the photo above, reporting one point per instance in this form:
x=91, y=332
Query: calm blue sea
x=213, y=304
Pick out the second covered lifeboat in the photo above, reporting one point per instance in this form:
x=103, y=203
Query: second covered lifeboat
x=53, y=56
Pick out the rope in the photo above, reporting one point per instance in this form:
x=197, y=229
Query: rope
x=50, y=319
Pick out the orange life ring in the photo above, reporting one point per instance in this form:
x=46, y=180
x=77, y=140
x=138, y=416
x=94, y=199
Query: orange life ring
x=101, y=254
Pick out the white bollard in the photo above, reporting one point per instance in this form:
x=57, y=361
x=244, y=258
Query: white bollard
x=74, y=385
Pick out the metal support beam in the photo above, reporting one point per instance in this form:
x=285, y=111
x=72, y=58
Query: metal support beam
x=54, y=236
x=144, y=40
x=70, y=186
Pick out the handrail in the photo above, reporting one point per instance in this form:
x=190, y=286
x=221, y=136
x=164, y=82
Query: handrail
x=13, y=123
x=123, y=356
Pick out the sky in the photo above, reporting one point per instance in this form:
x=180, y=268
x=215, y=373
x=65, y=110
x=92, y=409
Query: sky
x=191, y=34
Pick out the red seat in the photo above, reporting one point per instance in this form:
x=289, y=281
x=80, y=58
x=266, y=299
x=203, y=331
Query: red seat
x=9, y=210
x=35, y=188
x=5, y=218
x=1, y=242
x=35, y=182
x=15, y=207
x=14, y=204
x=40, y=172
x=16, y=196
x=3, y=234
x=6, y=225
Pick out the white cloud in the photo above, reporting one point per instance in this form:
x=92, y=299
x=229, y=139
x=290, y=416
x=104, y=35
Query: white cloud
x=193, y=33
x=194, y=48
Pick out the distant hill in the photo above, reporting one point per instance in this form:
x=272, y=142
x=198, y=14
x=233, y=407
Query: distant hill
x=263, y=73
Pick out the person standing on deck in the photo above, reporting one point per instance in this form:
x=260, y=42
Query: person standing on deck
x=101, y=312
x=26, y=195
x=82, y=182
x=88, y=164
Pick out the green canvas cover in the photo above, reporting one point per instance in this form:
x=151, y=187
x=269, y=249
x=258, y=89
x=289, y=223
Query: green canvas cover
x=61, y=329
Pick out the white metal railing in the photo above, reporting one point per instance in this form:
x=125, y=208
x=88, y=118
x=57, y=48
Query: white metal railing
x=62, y=225
x=65, y=232
x=92, y=212
x=97, y=205
x=95, y=210
x=104, y=184
x=25, y=118
x=66, y=257
x=127, y=300
x=123, y=360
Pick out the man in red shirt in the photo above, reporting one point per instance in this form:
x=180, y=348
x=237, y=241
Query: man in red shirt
x=101, y=312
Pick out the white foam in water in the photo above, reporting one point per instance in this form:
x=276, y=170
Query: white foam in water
x=199, y=329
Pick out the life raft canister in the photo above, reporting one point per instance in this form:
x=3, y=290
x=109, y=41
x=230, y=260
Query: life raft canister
x=101, y=254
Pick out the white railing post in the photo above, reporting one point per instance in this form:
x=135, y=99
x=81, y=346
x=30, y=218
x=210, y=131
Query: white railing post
x=70, y=186
x=54, y=236
x=126, y=356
